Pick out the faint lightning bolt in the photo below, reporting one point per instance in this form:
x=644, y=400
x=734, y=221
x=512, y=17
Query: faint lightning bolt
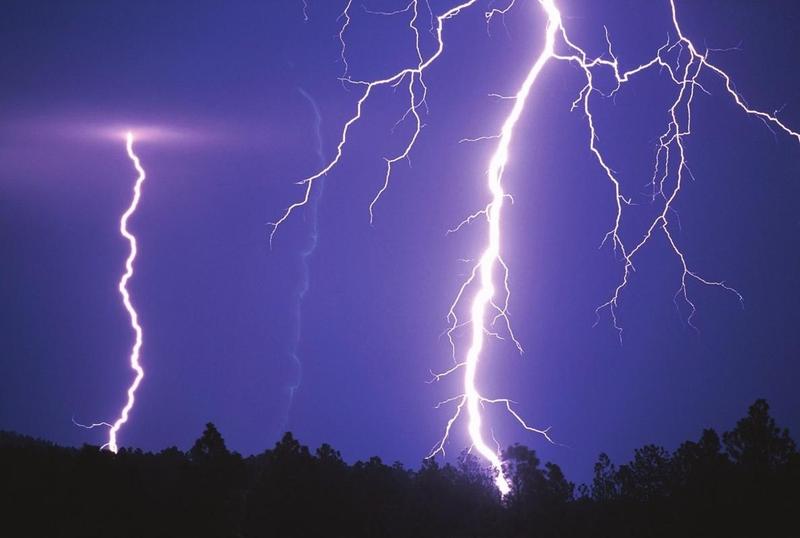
x=683, y=64
x=114, y=428
x=312, y=213
x=414, y=75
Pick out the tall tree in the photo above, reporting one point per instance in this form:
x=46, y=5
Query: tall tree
x=757, y=443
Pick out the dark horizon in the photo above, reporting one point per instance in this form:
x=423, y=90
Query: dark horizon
x=740, y=483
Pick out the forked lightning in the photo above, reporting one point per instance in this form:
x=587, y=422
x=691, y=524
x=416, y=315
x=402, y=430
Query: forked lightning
x=486, y=290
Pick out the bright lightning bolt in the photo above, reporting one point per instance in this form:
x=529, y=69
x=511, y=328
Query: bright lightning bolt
x=136, y=366
x=669, y=172
x=126, y=297
x=484, y=297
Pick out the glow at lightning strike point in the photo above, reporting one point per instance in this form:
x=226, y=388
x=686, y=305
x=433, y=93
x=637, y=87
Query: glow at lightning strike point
x=683, y=73
x=126, y=298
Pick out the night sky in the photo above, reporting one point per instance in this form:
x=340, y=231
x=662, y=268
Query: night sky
x=215, y=90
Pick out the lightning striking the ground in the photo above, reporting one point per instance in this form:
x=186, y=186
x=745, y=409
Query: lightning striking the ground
x=113, y=428
x=486, y=293
x=312, y=217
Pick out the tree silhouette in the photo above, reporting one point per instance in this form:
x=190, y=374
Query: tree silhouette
x=217, y=479
x=742, y=485
x=604, y=485
x=757, y=443
x=209, y=447
x=647, y=477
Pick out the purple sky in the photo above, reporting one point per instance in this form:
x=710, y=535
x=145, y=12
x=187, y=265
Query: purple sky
x=218, y=84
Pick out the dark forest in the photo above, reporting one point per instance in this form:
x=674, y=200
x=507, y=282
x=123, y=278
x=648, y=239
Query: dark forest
x=742, y=483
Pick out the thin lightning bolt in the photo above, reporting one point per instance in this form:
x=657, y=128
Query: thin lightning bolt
x=306, y=253
x=671, y=144
x=680, y=60
x=343, y=52
x=414, y=75
x=114, y=428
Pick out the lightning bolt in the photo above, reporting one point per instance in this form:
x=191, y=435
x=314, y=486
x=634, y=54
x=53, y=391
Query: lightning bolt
x=682, y=62
x=113, y=428
x=306, y=253
x=668, y=176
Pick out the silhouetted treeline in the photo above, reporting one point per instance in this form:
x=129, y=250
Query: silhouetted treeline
x=744, y=483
